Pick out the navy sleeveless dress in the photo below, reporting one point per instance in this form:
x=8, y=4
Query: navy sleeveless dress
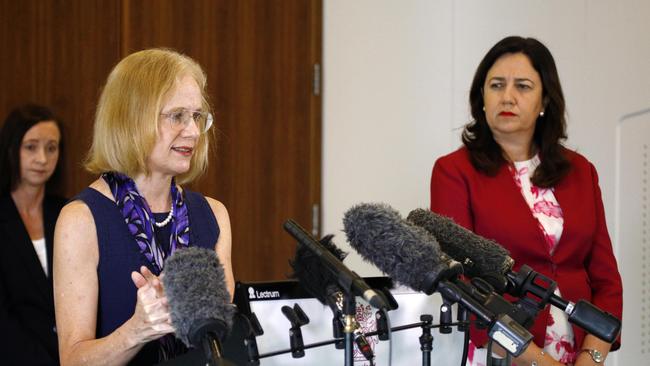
x=119, y=255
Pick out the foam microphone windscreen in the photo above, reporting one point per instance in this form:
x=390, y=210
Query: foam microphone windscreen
x=195, y=286
x=404, y=251
x=479, y=256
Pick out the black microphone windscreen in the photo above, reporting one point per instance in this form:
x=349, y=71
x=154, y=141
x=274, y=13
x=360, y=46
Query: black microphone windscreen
x=195, y=286
x=486, y=257
x=313, y=275
x=407, y=253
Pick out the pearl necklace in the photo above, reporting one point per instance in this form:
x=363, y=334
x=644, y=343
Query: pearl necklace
x=167, y=219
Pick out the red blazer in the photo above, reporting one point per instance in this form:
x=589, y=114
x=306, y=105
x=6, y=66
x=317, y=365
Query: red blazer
x=583, y=264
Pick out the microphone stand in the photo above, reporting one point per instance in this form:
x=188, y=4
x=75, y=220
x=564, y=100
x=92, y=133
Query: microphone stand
x=250, y=341
x=382, y=325
x=445, y=316
x=462, y=324
x=426, y=339
x=337, y=329
x=491, y=361
x=334, y=341
x=349, y=314
x=297, y=318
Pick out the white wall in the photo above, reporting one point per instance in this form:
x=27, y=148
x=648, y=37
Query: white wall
x=397, y=75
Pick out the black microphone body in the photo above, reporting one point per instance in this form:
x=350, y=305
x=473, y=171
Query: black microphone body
x=582, y=313
x=346, y=279
x=487, y=259
x=199, y=301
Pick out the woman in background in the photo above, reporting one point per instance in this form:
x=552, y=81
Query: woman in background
x=30, y=144
x=515, y=183
x=151, y=135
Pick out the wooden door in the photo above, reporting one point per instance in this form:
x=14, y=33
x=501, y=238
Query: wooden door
x=59, y=54
x=260, y=57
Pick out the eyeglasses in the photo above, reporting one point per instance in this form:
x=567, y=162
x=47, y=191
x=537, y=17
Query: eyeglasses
x=179, y=119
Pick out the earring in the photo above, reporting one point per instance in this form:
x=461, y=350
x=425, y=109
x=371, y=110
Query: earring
x=483, y=108
x=541, y=114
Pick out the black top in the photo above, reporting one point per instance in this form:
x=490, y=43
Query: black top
x=27, y=324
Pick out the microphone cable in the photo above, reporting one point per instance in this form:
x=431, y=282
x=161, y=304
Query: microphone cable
x=463, y=359
x=463, y=318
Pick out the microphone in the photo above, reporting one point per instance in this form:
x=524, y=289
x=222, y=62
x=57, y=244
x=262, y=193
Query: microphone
x=199, y=301
x=408, y=253
x=349, y=281
x=314, y=277
x=480, y=257
x=487, y=259
x=319, y=282
x=412, y=256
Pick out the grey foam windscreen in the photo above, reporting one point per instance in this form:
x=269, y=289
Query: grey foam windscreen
x=404, y=251
x=480, y=256
x=195, y=286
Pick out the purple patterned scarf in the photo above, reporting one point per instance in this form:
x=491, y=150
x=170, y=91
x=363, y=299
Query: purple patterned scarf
x=138, y=217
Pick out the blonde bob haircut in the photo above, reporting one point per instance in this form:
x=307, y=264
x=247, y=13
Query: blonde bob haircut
x=128, y=112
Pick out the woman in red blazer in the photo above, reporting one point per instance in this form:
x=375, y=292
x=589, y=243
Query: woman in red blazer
x=515, y=183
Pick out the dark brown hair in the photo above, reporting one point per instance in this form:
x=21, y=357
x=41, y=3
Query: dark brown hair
x=485, y=154
x=15, y=126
